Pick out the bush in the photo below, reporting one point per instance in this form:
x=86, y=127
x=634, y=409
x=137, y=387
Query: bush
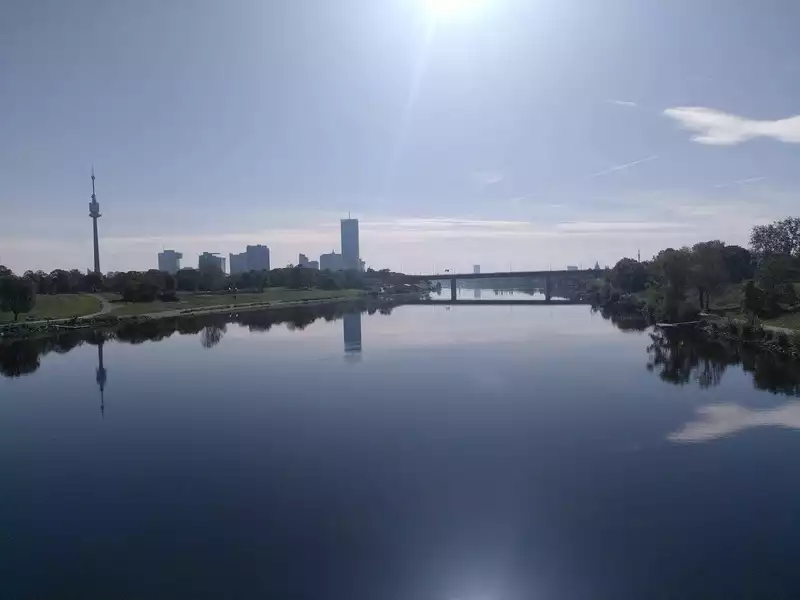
x=169, y=296
x=783, y=339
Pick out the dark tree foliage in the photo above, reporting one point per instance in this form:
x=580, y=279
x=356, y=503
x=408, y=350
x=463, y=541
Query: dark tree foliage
x=629, y=275
x=17, y=295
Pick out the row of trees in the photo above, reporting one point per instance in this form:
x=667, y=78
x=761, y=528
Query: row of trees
x=17, y=293
x=679, y=282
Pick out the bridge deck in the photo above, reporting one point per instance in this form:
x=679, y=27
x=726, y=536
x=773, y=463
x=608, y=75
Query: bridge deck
x=509, y=274
x=472, y=302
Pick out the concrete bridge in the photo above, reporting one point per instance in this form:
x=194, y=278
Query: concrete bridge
x=547, y=276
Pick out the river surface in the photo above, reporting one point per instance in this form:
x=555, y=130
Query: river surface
x=433, y=453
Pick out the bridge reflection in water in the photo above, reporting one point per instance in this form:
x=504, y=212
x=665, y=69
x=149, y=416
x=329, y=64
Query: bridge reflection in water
x=548, y=279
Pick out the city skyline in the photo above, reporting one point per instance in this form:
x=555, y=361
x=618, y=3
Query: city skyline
x=519, y=131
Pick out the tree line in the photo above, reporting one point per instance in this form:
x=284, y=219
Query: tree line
x=679, y=283
x=18, y=292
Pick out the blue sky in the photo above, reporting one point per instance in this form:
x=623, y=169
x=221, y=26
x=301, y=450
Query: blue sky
x=520, y=133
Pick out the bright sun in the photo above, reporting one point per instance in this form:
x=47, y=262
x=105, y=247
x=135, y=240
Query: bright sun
x=448, y=8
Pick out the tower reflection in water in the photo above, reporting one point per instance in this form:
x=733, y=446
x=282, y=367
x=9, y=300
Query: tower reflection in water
x=101, y=378
x=351, y=329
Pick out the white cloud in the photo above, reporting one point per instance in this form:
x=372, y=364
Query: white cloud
x=740, y=182
x=718, y=128
x=722, y=420
x=618, y=226
x=626, y=103
x=623, y=167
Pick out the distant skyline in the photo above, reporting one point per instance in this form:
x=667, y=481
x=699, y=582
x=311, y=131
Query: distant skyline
x=520, y=132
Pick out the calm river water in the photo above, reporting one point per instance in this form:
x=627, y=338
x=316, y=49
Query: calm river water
x=434, y=453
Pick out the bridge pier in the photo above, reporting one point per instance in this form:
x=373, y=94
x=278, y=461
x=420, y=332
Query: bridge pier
x=547, y=293
x=453, y=289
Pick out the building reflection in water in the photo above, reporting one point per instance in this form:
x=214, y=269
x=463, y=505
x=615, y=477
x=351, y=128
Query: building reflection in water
x=476, y=293
x=351, y=329
x=101, y=378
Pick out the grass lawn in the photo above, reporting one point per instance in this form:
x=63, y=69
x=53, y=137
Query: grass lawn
x=59, y=306
x=201, y=300
x=789, y=320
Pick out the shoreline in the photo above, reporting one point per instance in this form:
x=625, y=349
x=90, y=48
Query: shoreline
x=52, y=328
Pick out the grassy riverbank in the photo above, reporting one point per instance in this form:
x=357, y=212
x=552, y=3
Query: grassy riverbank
x=201, y=301
x=60, y=306
x=244, y=303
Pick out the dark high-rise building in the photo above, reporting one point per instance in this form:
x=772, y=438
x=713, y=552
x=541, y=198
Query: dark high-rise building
x=169, y=261
x=94, y=213
x=237, y=263
x=350, y=250
x=257, y=258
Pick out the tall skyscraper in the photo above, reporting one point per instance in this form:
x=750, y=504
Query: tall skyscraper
x=302, y=260
x=169, y=261
x=257, y=258
x=350, y=250
x=94, y=213
x=476, y=269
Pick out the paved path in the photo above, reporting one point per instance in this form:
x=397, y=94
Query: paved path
x=743, y=320
x=107, y=307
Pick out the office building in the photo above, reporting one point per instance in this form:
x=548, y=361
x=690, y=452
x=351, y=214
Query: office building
x=331, y=262
x=302, y=260
x=312, y=264
x=257, y=258
x=350, y=250
x=238, y=263
x=572, y=268
x=169, y=261
x=476, y=269
x=210, y=260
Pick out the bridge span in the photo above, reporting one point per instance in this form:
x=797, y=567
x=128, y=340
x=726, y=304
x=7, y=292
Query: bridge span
x=546, y=275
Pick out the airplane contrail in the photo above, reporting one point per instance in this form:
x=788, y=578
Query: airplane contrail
x=625, y=166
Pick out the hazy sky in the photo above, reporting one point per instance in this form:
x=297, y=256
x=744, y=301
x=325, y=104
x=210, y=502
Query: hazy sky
x=513, y=132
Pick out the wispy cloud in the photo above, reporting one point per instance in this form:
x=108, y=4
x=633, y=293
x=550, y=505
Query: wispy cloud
x=489, y=177
x=618, y=226
x=723, y=420
x=623, y=167
x=718, y=128
x=740, y=182
x=626, y=103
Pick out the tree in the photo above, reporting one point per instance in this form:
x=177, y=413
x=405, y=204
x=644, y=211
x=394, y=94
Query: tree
x=629, y=275
x=752, y=299
x=775, y=276
x=780, y=237
x=187, y=280
x=738, y=263
x=708, y=269
x=16, y=295
x=672, y=268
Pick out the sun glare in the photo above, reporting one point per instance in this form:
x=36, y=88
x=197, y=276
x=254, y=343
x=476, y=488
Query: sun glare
x=450, y=8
